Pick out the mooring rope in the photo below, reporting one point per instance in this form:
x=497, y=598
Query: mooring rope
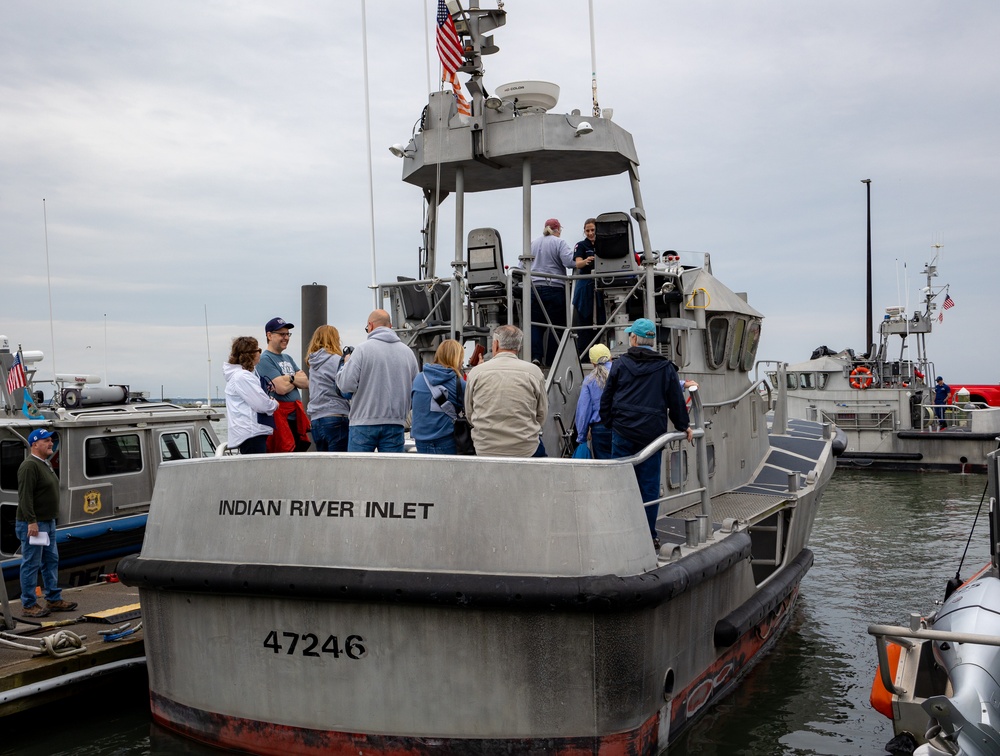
x=58, y=644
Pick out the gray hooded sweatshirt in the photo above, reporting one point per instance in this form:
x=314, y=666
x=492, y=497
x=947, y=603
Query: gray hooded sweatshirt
x=379, y=375
x=325, y=399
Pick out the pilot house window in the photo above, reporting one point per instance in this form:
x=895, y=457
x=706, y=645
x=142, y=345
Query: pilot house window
x=112, y=455
x=12, y=454
x=174, y=446
x=718, y=338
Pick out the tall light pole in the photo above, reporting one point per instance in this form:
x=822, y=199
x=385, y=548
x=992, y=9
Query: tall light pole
x=868, y=315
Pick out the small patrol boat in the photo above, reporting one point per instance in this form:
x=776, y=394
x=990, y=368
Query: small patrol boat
x=409, y=604
x=110, y=445
x=937, y=679
x=883, y=401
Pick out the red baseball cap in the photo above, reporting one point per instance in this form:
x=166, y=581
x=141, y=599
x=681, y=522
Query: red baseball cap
x=553, y=223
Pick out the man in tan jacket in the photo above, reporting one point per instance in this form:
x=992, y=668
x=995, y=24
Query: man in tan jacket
x=505, y=401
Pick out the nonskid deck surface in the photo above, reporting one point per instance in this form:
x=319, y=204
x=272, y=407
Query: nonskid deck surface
x=745, y=507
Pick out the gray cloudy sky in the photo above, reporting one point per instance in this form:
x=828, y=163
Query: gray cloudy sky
x=212, y=154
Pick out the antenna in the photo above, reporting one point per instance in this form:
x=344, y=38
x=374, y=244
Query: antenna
x=48, y=276
x=208, y=344
x=368, y=137
x=593, y=62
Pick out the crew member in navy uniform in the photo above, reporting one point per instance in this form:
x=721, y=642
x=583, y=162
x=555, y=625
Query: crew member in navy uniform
x=941, y=392
x=37, y=510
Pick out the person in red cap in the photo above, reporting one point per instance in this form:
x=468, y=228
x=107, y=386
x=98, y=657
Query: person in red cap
x=553, y=255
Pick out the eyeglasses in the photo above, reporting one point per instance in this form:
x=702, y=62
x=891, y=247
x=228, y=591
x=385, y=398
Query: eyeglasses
x=368, y=327
x=283, y=334
x=259, y=350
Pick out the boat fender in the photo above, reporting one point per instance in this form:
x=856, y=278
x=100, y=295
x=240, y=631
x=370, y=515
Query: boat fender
x=881, y=699
x=861, y=377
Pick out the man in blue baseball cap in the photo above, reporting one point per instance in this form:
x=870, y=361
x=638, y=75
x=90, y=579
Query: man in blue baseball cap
x=641, y=392
x=35, y=526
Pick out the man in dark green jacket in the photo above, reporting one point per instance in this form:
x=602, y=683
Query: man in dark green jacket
x=37, y=510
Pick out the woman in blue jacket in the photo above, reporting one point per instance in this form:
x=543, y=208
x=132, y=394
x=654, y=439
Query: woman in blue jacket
x=588, y=406
x=437, y=397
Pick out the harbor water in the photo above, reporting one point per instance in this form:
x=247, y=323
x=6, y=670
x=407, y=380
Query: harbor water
x=885, y=544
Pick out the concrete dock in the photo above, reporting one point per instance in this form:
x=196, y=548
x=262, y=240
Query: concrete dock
x=33, y=677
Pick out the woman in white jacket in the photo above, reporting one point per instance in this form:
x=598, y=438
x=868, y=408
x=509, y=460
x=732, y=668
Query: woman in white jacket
x=245, y=397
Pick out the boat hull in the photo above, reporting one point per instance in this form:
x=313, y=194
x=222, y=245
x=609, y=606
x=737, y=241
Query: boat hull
x=562, y=633
x=419, y=679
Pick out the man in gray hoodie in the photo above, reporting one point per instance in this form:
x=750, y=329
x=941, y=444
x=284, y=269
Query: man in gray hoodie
x=378, y=375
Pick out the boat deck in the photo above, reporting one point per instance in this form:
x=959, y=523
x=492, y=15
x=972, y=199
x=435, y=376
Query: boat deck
x=745, y=507
x=28, y=680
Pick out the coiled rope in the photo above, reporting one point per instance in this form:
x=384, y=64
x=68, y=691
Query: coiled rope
x=59, y=644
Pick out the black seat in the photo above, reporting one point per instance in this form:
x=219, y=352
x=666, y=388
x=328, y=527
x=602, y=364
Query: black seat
x=614, y=250
x=413, y=300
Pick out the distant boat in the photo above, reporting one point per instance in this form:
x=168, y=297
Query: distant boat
x=111, y=444
x=884, y=401
x=403, y=603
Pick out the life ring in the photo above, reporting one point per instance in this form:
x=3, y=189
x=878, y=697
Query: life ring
x=861, y=377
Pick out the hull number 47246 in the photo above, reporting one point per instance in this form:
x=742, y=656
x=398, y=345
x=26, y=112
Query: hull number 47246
x=308, y=644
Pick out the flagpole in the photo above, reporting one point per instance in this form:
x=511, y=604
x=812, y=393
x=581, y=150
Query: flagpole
x=368, y=136
x=427, y=44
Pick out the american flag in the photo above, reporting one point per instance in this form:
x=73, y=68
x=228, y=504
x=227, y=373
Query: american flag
x=15, y=376
x=948, y=302
x=450, y=51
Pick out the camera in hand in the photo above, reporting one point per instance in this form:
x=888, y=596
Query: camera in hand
x=348, y=350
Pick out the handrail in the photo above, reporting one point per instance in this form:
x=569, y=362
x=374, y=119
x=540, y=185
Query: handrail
x=698, y=438
x=904, y=636
x=752, y=388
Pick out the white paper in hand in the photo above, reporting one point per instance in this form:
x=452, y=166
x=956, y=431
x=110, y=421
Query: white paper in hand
x=42, y=539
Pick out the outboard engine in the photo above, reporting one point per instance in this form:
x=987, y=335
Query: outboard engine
x=968, y=722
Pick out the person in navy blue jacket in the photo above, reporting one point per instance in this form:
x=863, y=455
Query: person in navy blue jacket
x=641, y=393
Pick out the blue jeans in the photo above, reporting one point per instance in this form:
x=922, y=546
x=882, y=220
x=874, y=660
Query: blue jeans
x=544, y=340
x=600, y=441
x=35, y=559
x=254, y=445
x=330, y=433
x=647, y=474
x=368, y=438
x=443, y=445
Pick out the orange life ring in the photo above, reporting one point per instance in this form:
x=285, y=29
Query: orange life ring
x=861, y=377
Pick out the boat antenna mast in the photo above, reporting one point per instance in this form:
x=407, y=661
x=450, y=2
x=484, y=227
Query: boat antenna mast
x=593, y=63
x=930, y=271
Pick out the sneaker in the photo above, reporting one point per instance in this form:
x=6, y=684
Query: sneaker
x=61, y=606
x=35, y=610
